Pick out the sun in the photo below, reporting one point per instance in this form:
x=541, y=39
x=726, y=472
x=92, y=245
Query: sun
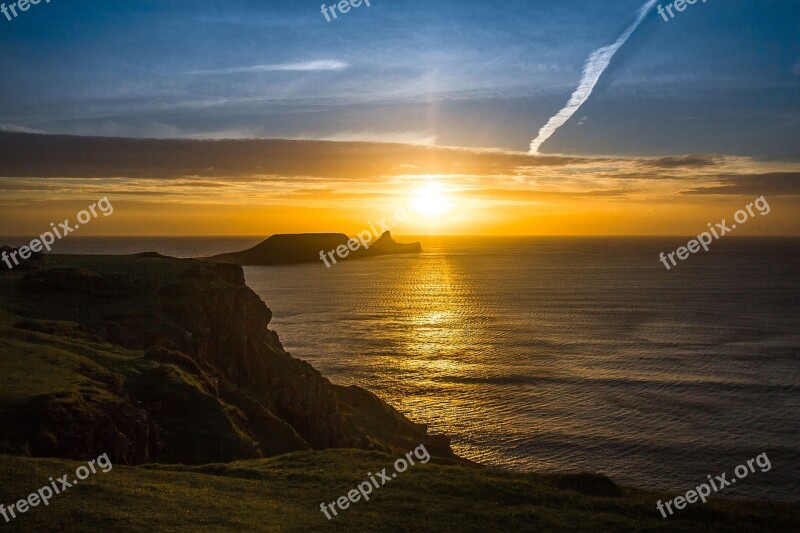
x=431, y=201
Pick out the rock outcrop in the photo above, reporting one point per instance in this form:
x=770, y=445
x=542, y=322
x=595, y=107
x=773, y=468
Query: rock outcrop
x=306, y=248
x=176, y=363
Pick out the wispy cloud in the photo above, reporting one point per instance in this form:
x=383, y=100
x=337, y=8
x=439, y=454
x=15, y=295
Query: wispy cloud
x=595, y=66
x=681, y=161
x=302, y=66
x=773, y=184
x=18, y=129
x=402, y=137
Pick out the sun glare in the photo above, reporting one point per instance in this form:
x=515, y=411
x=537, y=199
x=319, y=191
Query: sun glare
x=431, y=201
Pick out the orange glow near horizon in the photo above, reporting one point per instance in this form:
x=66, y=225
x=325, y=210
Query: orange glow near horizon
x=467, y=216
x=343, y=187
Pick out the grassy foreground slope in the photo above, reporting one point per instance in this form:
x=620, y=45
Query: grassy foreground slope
x=283, y=494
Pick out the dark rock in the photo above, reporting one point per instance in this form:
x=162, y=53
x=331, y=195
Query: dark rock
x=306, y=248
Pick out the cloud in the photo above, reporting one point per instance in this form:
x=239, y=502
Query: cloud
x=61, y=156
x=402, y=137
x=595, y=66
x=18, y=129
x=30, y=185
x=283, y=172
x=525, y=195
x=681, y=161
x=305, y=66
x=773, y=183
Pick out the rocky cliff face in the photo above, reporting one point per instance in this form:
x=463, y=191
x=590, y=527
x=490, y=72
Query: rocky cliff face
x=206, y=379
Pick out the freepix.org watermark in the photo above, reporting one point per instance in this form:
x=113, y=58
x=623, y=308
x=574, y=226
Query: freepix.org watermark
x=364, y=489
x=22, y=5
x=703, y=490
x=364, y=238
x=678, y=5
x=343, y=6
x=718, y=230
x=46, y=493
x=46, y=239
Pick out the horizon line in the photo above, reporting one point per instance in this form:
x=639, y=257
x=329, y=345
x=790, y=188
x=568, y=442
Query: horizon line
x=520, y=235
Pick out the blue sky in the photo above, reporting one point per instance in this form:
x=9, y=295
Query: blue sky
x=722, y=77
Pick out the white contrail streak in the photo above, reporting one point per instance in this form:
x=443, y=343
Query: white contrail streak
x=595, y=66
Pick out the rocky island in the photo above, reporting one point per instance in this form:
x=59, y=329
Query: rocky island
x=312, y=247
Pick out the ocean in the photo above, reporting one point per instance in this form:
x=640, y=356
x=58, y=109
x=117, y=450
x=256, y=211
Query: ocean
x=559, y=354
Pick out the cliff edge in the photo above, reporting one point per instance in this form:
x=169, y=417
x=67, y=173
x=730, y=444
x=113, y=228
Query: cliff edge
x=155, y=359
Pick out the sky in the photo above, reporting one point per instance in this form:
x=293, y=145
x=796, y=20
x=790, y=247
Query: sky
x=718, y=84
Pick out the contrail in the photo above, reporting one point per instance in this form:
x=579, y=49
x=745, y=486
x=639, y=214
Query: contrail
x=595, y=66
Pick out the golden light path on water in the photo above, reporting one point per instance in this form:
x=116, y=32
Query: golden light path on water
x=435, y=306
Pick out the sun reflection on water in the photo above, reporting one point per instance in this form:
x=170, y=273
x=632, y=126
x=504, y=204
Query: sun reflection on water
x=433, y=305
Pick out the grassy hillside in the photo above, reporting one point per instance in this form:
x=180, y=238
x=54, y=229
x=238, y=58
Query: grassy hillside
x=283, y=494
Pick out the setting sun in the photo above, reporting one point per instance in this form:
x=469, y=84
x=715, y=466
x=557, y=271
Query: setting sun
x=431, y=201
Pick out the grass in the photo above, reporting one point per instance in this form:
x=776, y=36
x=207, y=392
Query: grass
x=283, y=494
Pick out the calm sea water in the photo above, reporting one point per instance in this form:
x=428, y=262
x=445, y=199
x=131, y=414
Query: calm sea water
x=560, y=354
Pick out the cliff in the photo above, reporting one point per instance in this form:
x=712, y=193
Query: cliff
x=154, y=359
x=306, y=248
